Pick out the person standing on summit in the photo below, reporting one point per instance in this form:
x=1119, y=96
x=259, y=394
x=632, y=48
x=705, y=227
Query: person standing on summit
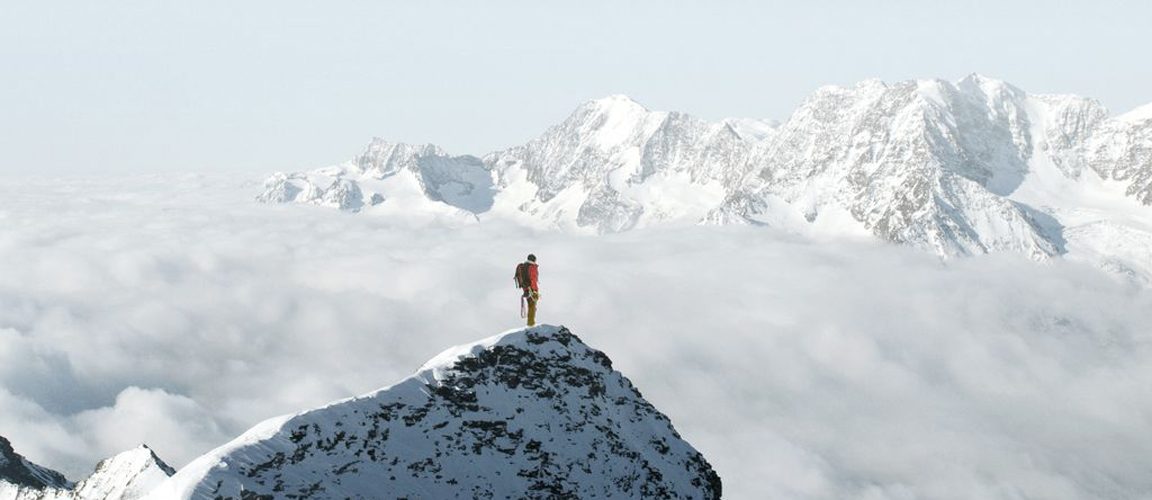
x=527, y=275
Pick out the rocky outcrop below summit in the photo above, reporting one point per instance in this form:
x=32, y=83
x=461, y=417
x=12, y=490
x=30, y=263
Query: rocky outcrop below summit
x=17, y=471
x=530, y=413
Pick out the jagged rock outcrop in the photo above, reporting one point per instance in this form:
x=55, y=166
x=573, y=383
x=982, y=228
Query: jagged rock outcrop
x=18, y=471
x=528, y=414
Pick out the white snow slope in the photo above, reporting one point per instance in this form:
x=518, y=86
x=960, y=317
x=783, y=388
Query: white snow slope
x=527, y=414
x=971, y=167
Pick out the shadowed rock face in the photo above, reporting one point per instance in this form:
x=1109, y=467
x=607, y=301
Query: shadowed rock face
x=17, y=470
x=530, y=414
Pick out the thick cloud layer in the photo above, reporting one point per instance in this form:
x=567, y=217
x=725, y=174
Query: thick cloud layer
x=176, y=312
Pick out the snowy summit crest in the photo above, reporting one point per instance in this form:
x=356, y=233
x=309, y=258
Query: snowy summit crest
x=617, y=103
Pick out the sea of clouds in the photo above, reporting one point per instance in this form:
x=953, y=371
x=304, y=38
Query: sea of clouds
x=174, y=311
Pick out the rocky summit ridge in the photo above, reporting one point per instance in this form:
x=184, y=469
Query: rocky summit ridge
x=530, y=413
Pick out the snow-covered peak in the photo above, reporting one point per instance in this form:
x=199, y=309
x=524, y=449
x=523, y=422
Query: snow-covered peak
x=128, y=475
x=616, y=103
x=617, y=108
x=609, y=123
x=525, y=414
x=987, y=85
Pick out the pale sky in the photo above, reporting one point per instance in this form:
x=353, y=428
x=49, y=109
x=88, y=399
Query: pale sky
x=143, y=85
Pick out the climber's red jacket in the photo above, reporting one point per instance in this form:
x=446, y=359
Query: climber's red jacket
x=533, y=273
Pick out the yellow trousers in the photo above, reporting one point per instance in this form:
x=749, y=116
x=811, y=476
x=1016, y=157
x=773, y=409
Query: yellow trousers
x=531, y=310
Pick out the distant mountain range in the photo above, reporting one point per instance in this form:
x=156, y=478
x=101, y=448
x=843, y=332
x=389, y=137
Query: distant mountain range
x=532, y=413
x=956, y=169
